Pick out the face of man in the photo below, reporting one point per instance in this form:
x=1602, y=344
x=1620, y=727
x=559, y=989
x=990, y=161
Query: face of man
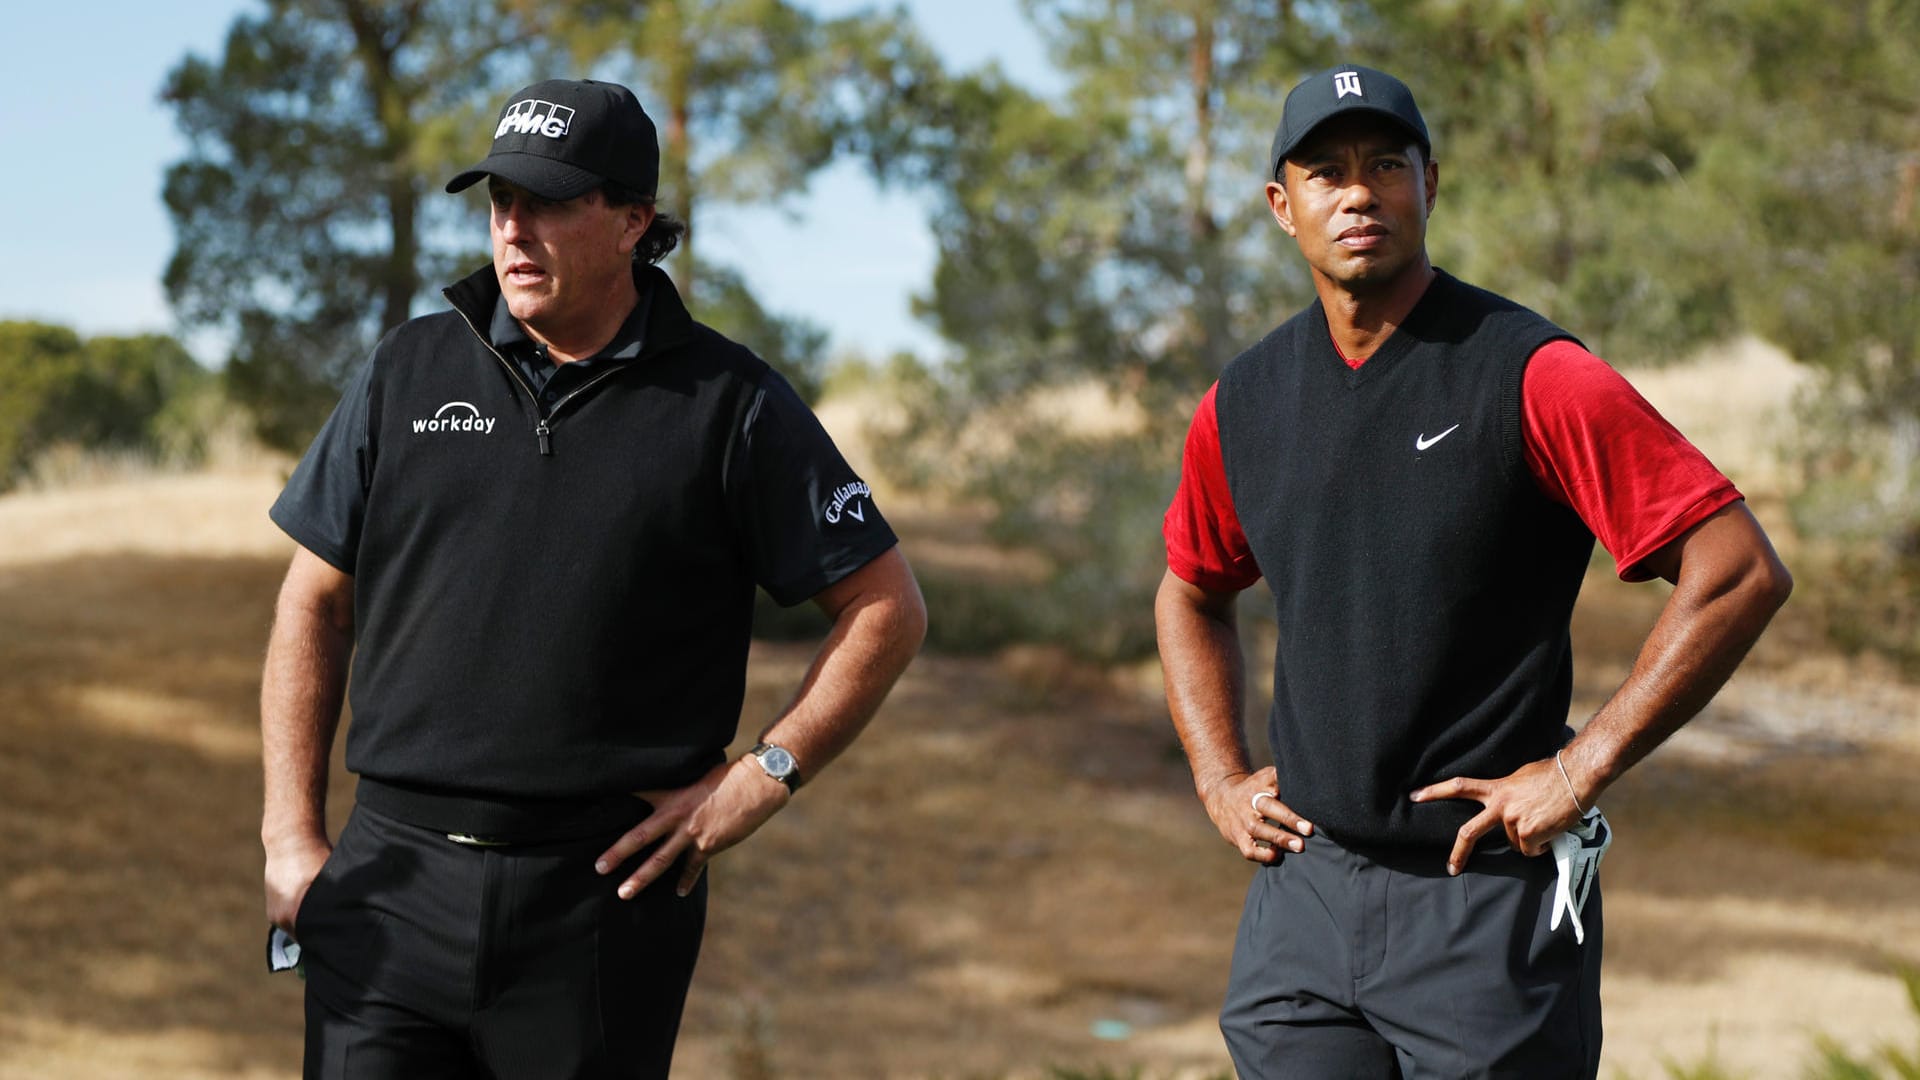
x=1356, y=198
x=560, y=264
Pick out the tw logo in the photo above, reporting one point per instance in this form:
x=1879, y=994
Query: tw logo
x=535, y=117
x=1346, y=82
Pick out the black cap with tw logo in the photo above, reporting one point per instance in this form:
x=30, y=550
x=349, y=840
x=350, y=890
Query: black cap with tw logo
x=1335, y=92
x=564, y=137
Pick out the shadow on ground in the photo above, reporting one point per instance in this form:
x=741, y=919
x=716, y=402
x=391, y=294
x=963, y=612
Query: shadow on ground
x=129, y=757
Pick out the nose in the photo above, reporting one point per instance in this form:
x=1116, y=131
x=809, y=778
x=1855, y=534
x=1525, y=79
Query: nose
x=510, y=219
x=1358, y=196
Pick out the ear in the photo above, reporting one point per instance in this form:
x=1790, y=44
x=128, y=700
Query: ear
x=1433, y=184
x=1281, y=206
x=638, y=219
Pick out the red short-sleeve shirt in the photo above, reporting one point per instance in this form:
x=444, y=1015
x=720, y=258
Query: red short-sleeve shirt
x=1592, y=443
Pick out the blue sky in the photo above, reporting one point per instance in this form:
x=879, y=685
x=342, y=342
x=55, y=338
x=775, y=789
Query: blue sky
x=88, y=154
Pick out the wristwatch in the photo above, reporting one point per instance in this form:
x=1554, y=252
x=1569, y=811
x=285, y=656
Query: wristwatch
x=778, y=763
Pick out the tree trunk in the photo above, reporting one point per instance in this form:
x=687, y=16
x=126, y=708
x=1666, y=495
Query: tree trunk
x=400, y=277
x=1546, y=143
x=678, y=157
x=1210, y=324
x=402, y=274
x=677, y=165
x=1200, y=224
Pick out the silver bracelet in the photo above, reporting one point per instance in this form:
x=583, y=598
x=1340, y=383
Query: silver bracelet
x=1569, y=780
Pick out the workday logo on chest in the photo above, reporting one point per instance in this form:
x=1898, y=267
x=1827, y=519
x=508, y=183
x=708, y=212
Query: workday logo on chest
x=455, y=417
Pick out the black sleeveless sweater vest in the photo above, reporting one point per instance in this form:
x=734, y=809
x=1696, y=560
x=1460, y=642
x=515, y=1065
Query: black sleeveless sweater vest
x=551, y=618
x=1421, y=581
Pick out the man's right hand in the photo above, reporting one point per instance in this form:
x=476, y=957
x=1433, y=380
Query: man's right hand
x=1259, y=833
x=290, y=873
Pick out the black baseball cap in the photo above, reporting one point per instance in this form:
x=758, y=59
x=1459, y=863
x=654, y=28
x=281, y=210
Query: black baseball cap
x=1335, y=92
x=564, y=137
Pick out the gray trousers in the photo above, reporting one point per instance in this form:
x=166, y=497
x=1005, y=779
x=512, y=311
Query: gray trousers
x=1355, y=965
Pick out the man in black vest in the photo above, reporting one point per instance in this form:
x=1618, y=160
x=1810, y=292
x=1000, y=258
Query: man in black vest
x=1418, y=469
x=536, y=522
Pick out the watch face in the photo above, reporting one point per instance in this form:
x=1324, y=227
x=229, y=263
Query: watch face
x=778, y=763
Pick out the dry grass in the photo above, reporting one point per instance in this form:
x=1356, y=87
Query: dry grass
x=1735, y=402
x=1012, y=853
x=129, y=758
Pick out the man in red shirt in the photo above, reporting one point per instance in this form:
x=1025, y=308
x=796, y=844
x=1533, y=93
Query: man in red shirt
x=1418, y=469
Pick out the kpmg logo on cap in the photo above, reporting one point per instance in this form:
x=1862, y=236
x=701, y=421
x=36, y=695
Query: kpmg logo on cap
x=535, y=117
x=1346, y=82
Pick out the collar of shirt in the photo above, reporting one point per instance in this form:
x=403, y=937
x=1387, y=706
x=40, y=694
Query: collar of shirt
x=551, y=381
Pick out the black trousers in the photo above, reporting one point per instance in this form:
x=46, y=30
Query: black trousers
x=1382, y=967
x=430, y=959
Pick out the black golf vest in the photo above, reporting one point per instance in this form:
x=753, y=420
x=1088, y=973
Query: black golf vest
x=1421, y=581
x=552, y=609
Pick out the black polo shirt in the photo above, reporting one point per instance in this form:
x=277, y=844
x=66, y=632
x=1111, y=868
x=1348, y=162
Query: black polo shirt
x=550, y=381
x=554, y=600
x=324, y=502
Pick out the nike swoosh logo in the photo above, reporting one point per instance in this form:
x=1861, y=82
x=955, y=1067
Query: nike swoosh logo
x=1421, y=442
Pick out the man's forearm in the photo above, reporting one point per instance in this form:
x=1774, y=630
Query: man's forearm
x=879, y=621
x=1728, y=584
x=301, y=693
x=1206, y=679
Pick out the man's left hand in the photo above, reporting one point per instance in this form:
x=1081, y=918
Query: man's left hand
x=701, y=820
x=1532, y=805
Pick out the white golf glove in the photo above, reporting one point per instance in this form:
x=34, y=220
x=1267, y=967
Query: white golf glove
x=1576, y=855
x=283, y=953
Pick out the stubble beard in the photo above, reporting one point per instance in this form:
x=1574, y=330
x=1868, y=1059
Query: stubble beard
x=1366, y=276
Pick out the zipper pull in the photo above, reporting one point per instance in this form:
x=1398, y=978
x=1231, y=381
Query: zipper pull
x=546, y=443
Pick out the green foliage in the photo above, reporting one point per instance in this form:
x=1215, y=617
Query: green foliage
x=308, y=213
x=752, y=97
x=743, y=90
x=1114, y=239
x=1842, y=205
x=1656, y=174
x=37, y=361
x=1102, y=236
x=794, y=347
x=972, y=617
x=1831, y=1061
x=1564, y=169
x=301, y=222
x=1708, y=1069
x=1653, y=174
x=121, y=388
x=1091, y=504
x=1834, y=1062
x=143, y=394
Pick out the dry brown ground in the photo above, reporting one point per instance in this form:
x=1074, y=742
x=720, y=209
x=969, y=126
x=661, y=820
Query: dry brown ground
x=1011, y=854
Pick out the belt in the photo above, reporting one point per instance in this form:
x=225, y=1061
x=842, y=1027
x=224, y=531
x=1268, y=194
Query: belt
x=493, y=821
